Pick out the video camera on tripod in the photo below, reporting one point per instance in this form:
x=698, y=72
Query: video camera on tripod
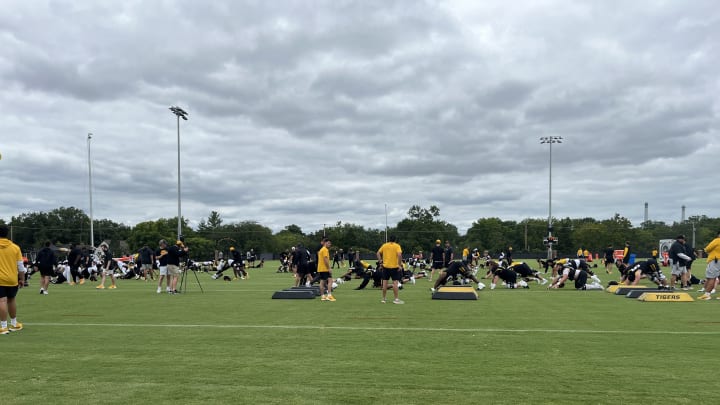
x=187, y=268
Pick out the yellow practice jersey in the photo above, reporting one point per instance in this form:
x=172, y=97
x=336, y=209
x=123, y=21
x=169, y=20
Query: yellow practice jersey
x=390, y=253
x=10, y=255
x=322, y=266
x=713, y=250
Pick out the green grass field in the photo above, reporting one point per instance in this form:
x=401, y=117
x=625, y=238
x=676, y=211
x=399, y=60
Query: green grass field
x=234, y=344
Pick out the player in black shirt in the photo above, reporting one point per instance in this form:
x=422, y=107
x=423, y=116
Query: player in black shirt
x=457, y=269
x=437, y=255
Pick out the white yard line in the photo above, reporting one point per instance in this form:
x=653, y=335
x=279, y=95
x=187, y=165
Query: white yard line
x=379, y=328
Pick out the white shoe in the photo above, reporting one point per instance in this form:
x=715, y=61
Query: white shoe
x=412, y=280
x=432, y=290
x=159, y=290
x=544, y=282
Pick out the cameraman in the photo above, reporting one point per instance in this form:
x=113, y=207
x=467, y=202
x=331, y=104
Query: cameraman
x=174, y=253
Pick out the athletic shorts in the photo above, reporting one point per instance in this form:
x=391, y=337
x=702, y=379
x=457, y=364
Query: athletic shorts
x=393, y=274
x=8, y=292
x=163, y=271
x=678, y=270
x=580, y=279
x=108, y=272
x=324, y=275
x=437, y=265
x=713, y=269
x=173, y=270
x=46, y=271
x=146, y=266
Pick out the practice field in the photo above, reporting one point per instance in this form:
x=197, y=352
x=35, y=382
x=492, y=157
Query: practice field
x=234, y=344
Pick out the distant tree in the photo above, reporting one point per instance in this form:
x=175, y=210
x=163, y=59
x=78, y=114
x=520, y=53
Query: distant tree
x=251, y=235
x=420, y=229
x=149, y=232
x=291, y=236
x=61, y=226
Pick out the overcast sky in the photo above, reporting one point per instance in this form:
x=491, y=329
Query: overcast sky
x=313, y=112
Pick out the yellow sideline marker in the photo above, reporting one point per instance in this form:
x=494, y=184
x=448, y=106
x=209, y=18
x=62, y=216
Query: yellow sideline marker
x=665, y=297
x=455, y=293
x=458, y=288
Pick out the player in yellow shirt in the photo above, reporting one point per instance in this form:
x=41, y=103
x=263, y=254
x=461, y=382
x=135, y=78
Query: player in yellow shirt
x=712, y=271
x=323, y=271
x=12, y=277
x=390, y=254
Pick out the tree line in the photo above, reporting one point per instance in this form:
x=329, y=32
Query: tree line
x=417, y=231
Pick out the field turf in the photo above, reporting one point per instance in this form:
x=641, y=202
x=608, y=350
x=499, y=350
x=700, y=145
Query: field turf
x=234, y=344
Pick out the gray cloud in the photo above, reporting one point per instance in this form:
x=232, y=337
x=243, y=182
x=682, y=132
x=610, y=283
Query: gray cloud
x=313, y=115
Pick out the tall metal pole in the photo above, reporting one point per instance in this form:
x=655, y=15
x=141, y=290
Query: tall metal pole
x=693, y=239
x=179, y=227
x=180, y=113
x=92, y=232
x=550, y=229
x=550, y=140
x=386, y=224
x=550, y=194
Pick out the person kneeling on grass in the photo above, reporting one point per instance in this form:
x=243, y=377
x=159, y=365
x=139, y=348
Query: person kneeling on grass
x=356, y=270
x=370, y=273
x=409, y=276
x=575, y=264
x=527, y=274
x=577, y=274
x=507, y=275
x=456, y=270
x=220, y=268
x=649, y=269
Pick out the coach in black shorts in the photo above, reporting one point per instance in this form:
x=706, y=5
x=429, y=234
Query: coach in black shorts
x=46, y=264
x=437, y=255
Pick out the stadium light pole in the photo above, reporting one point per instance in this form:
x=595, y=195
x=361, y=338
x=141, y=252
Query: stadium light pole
x=180, y=113
x=92, y=233
x=386, y=224
x=550, y=140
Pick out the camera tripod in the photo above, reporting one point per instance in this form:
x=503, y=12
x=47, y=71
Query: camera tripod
x=183, y=279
